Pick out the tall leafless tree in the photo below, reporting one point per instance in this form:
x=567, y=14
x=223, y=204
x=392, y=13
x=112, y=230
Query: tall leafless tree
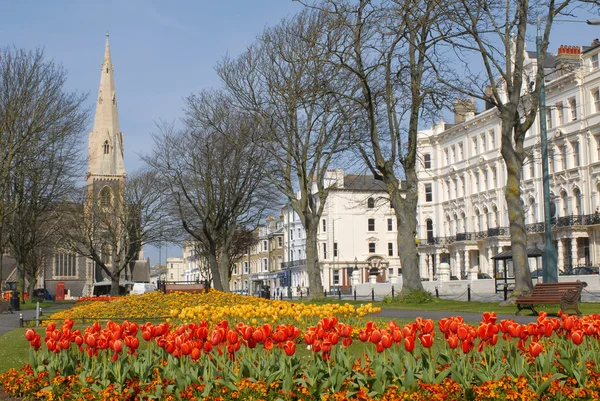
x=214, y=184
x=384, y=47
x=112, y=234
x=287, y=83
x=496, y=33
x=41, y=124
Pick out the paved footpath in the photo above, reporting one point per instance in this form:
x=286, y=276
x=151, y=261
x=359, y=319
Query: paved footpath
x=10, y=321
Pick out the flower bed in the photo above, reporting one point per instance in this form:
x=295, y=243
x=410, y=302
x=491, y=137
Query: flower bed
x=213, y=306
x=550, y=359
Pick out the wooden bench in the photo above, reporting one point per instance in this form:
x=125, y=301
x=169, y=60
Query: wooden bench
x=193, y=288
x=564, y=294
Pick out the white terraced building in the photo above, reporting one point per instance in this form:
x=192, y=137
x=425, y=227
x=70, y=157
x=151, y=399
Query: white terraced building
x=462, y=213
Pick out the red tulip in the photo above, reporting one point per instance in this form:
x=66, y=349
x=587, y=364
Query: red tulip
x=453, y=341
x=427, y=326
x=195, y=354
x=289, y=347
x=375, y=336
x=576, y=336
x=268, y=344
x=467, y=346
x=347, y=341
x=118, y=346
x=258, y=335
x=426, y=340
x=535, y=348
x=309, y=337
x=232, y=337
x=186, y=349
x=489, y=317
x=29, y=334
x=409, y=343
x=386, y=341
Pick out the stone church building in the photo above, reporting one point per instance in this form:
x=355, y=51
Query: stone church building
x=105, y=180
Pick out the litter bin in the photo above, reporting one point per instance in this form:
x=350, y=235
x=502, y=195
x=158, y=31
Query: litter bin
x=14, y=301
x=265, y=292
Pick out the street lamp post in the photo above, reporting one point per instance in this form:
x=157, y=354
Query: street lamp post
x=549, y=258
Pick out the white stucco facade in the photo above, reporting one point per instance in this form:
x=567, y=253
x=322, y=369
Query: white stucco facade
x=462, y=212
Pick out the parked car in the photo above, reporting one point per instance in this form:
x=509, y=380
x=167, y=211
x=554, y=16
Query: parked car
x=537, y=273
x=42, y=293
x=142, y=288
x=484, y=276
x=583, y=270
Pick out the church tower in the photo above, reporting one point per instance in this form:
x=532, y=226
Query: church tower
x=106, y=168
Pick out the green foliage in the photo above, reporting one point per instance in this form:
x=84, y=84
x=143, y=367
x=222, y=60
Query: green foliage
x=417, y=297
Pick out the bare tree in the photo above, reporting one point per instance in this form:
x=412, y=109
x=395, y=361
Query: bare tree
x=40, y=127
x=496, y=32
x=213, y=181
x=384, y=46
x=112, y=234
x=287, y=83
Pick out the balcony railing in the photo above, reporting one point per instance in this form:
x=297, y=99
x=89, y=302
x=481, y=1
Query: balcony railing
x=563, y=221
x=293, y=263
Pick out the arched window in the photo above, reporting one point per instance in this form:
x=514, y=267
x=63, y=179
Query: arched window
x=106, y=254
x=370, y=203
x=105, y=197
x=487, y=217
x=565, y=203
x=496, y=216
x=476, y=222
x=533, y=209
x=429, y=225
x=106, y=147
x=578, y=202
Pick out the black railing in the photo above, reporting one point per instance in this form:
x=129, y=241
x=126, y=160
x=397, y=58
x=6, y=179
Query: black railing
x=563, y=221
x=293, y=263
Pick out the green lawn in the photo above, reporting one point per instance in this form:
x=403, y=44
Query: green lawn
x=14, y=349
x=30, y=304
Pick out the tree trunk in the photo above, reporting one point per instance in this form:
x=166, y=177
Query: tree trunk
x=516, y=217
x=114, y=285
x=312, y=260
x=405, y=209
x=224, y=269
x=214, y=268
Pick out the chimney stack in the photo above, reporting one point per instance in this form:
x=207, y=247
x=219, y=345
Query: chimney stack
x=464, y=110
x=567, y=59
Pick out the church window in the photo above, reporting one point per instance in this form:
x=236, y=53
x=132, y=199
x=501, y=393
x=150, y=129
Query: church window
x=105, y=197
x=106, y=147
x=65, y=264
x=106, y=254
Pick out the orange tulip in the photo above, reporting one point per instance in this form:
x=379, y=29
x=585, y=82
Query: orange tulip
x=535, y=349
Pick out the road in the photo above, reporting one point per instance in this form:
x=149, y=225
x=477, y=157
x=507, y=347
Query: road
x=10, y=321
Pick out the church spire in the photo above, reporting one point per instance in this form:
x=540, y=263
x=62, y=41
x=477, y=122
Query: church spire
x=106, y=140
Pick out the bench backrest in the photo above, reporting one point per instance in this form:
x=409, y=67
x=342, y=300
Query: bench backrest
x=194, y=288
x=557, y=289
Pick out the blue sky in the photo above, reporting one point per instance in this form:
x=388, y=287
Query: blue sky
x=162, y=51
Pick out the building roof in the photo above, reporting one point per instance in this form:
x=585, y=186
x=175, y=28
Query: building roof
x=141, y=271
x=8, y=266
x=363, y=182
x=531, y=253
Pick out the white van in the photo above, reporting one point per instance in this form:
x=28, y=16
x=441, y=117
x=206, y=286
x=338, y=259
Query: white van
x=142, y=288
